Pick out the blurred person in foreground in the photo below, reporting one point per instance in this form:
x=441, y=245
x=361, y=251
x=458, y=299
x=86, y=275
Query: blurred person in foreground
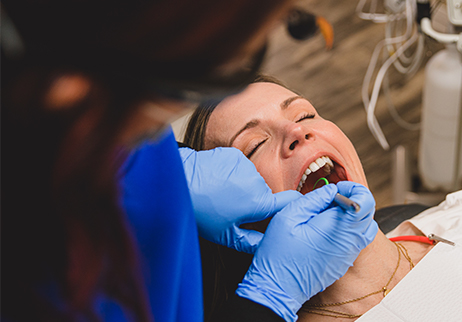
x=98, y=221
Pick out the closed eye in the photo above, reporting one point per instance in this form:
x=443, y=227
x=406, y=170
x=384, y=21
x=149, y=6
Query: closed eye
x=306, y=116
x=249, y=155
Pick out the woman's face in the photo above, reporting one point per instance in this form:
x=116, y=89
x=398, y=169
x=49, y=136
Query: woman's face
x=286, y=139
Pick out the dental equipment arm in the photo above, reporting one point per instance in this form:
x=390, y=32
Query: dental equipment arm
x=227, y=191
x=308, y=245
x=427, y=28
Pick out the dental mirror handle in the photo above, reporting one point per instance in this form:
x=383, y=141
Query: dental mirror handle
x=346, y=203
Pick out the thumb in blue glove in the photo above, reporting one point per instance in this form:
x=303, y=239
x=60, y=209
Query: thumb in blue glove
x=227, y=191
x=308, y=245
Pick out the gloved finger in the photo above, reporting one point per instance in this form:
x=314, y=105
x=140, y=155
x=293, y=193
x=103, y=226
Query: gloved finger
x=306, y=208
x=283, y=198
x=354, y=190
x=345, y=188
x=367, y=236
x=248, y=241
x=359, y=194
x=319, y=199
x=272, y=206
x=371, y=232
x=185, y=153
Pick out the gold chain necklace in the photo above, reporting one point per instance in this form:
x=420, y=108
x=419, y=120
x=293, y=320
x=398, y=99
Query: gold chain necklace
x=320, y=309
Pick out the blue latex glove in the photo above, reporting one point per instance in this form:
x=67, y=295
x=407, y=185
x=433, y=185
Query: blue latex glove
x=227, y=191
x=308, y=246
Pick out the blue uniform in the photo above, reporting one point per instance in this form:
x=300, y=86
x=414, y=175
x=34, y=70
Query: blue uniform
x=156, y=199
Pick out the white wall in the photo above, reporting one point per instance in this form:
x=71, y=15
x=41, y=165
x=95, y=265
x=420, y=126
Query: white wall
x=179, y=126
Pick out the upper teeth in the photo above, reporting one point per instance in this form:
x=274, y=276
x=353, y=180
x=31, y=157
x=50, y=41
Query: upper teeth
x=313, y=167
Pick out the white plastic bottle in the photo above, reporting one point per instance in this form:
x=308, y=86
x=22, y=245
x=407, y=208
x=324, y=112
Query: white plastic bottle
x=441, y=108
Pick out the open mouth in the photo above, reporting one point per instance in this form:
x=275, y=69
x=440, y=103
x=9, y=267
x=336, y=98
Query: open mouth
x=322, y=167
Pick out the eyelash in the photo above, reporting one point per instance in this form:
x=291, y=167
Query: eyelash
x=304, y=117
x=254, y=149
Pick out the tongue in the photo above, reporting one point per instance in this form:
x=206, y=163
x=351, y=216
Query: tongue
x=312, y=179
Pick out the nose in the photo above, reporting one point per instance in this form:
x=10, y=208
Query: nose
x=296, y=135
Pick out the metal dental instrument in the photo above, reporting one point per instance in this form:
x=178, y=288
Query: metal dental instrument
x=346, y=203
x=440, y=239
x=342, y=201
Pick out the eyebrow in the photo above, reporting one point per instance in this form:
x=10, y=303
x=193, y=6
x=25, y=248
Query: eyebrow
x=253, y=123
x=249, y=125
x=285, y=104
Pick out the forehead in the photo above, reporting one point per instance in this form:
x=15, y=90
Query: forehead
x=256, y=101
x=255, y=96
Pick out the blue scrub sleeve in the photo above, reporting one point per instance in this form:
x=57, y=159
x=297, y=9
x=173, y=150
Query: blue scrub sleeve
x=156, y=200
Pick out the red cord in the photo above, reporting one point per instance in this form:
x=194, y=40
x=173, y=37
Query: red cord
x=422, y=239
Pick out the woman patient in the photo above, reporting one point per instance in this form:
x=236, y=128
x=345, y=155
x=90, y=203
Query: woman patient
x=292, y=147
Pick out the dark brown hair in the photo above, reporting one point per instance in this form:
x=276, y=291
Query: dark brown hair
x=61, y=220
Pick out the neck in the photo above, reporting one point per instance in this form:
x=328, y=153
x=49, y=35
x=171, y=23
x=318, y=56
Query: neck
x=371, y=271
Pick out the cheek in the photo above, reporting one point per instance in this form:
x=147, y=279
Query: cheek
x=270, y=169
x=341, y=142
x=343, y=145
x=337, y=138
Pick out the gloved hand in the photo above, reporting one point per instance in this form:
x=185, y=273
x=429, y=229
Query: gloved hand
x=227, y=191
x=308, y=245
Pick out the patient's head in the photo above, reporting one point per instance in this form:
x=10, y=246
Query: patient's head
x=281, y=133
